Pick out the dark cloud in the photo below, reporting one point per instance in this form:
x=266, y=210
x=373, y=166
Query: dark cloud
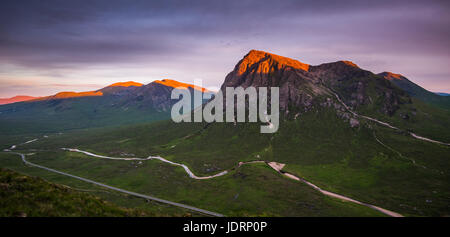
x=86, y=31
x=73, y=34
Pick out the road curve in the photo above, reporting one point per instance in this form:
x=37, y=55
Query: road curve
x=121, y=190
x=278, y=167
x=274, y=165
x=188, y=171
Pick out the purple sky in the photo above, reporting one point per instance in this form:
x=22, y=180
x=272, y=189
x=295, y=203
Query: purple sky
x=52, y=46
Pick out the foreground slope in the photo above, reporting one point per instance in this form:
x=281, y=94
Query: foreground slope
x=25, y=196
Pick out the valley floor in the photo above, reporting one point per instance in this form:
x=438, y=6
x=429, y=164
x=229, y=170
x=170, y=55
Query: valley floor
x=169, y=202
x=380, y=170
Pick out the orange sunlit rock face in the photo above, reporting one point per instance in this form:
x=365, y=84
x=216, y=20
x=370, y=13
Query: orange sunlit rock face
x=15, y=99
x=350, y=63
x=69, y=94
x=126, y=84
x=393, y=76
x=268, y=62
x=63, y=95
x=175, y=84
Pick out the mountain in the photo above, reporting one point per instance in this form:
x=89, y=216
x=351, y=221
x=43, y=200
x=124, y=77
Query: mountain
x=261, y=69
x=416, y=91
x=157, y=94
x=304, y=87
x=111, y=89
x=120, y=87
x=71, y=94
x=15, y=99
x=126, y=84
x=177, y=84
x=116, y=104
x=342, y=86
x=442, y=94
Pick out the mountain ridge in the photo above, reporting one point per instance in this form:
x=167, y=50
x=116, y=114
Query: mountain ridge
x=415, y=90
x=110, y=106
x=17, y=98
x=111, y=89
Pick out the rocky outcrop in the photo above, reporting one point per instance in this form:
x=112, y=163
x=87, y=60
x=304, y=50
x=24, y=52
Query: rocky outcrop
x=260, y=69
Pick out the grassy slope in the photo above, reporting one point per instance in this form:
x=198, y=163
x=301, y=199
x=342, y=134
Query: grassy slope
x=355, y=164
x=120, y=204
x=22, y=195
x=424, y=119
x=420, y=93
x=318, y=146
x=68, y=114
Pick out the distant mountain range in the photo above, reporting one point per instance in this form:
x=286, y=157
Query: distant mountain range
x=442, y=94
x=119, y=103
x=18, y=98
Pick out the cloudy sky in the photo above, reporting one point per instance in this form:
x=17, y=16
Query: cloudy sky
x=52, y=46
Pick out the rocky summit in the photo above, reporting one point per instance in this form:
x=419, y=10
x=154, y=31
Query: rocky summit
x=304, y=87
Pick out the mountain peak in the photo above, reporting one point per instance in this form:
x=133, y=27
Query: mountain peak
x=175, y=84
x=71, y=94
x=267, y=61
x=126, y=84
x=349, y=63
x=391, y=76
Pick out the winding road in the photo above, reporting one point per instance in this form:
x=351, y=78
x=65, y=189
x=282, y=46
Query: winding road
x=188, y=171
x=278, y=167
x=119, y=189
x=274, y=165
